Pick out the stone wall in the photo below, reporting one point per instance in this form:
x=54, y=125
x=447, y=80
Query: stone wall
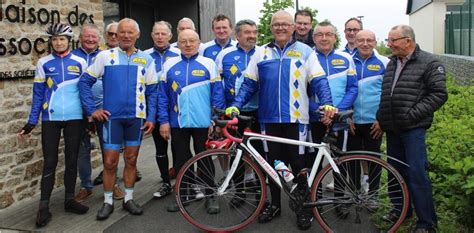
x=462, y=68
x=21, y=160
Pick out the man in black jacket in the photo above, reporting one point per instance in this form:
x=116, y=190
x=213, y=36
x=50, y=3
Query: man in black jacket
x=413, y=89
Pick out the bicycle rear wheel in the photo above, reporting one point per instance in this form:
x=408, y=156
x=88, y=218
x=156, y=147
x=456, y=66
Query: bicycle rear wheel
x=380, y=205
x=231, y=210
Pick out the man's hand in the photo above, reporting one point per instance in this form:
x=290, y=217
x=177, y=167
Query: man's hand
x=329, y=112
x=148, y=127
x=375, y=130
x=231, y=111
x=26, y=130
x=165, y=131
x=101, y=115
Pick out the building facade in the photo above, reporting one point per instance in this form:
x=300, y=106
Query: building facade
x=23, y=42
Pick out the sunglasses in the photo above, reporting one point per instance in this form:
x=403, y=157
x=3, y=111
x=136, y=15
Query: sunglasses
x=112, y=34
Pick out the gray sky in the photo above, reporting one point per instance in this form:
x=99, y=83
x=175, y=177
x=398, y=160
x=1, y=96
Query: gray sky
x=379, y=15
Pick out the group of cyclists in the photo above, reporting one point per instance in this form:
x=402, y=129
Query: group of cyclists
x=170, y=91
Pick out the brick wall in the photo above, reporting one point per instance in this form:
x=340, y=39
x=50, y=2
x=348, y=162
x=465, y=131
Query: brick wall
x=21, y=160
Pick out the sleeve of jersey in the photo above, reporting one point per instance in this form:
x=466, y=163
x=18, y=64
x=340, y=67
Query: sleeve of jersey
x=151, y=92
x=318, y=82
x=351, y=88
x=250, y=84
x=86, y=81
x=217, y=89
x=163, y=98
x=39, y=84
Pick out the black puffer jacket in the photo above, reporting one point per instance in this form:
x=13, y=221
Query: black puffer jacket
x=418, y=93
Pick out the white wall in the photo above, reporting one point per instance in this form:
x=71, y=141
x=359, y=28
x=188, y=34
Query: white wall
x=428, y=24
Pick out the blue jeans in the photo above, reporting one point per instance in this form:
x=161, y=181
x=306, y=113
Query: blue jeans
x=409, y=146
x=84, y=161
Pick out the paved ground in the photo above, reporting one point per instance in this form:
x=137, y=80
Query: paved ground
x=154, y=219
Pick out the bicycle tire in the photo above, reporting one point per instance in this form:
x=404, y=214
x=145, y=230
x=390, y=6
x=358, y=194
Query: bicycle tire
x=381, y=206
x=230, y=217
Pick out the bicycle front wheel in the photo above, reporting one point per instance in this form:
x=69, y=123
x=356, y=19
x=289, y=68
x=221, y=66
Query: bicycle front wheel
x=368, y=195
x=203, y=206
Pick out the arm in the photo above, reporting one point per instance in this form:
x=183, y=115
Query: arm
x=436, y=94
x=39, y=85
x=351, y=88
x=250, y=84
x=86, y=81
x=217, y=89
x=151, y=93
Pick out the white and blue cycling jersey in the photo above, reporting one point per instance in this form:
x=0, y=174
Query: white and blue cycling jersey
x=129, y=84
x=281, y=76
x=370, y=74
x=55, y=88
x=231, y=63
x=162, y=55
x=97, y=87
x=341, y=74
x=211, y=49
x=189, y=89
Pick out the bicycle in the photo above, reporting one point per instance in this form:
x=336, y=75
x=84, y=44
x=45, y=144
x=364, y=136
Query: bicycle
x=382, y=207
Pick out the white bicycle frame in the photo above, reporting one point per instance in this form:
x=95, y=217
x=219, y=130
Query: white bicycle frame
x=323, y=151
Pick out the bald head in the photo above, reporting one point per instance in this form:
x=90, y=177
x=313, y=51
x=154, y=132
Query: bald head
x=283, y=15
x=282, y=27
x=365, y=43
x=188, y=42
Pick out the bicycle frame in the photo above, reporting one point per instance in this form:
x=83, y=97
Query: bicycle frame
x=245, y=143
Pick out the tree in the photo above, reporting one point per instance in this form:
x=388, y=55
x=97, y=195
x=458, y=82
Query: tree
x=383, y=49
x=269, y=8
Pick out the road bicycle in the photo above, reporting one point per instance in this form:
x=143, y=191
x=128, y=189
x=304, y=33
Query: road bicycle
x=240, y=195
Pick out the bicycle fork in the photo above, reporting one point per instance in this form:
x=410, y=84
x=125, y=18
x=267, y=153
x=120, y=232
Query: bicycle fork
x=233, y=168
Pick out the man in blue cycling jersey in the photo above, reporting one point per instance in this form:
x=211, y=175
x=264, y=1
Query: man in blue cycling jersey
x=222, y=29
x=161, y=52
x=282, y=71
x=129, y=108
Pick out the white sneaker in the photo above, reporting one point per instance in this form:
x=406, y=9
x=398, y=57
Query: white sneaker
x=364, y=183
x=197, y=192
x=330, y=186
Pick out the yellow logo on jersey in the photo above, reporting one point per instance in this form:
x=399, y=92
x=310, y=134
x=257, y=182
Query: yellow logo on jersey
x=373, y=67
x=198, y=72
x=139, y=60
x=337, y=62
x=73, y=69
x=293, y=53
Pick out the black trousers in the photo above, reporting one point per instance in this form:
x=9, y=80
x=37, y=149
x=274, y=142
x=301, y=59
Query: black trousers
x=289, y=154
x=161, y=147
x=50, y=136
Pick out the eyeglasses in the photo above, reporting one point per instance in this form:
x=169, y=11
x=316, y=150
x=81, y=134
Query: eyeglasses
x=327, y=34
x=354, y=30
x=281, y=25
x=111, y=34
x=368, y=41
x=393, y=40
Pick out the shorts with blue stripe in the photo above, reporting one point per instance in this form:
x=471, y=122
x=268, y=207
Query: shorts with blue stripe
x=118, y=132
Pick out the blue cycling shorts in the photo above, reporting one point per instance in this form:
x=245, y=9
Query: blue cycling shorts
x=118, y=132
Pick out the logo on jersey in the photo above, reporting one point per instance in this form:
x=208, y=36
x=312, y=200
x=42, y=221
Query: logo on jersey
x=337, y=62
x=51, y=69
x=177, y=72
x=236, y=58
x=139, y=60
x=214, y=53
x=73, y=69
x=293, y=53
x=373, y=67
x=198, y=72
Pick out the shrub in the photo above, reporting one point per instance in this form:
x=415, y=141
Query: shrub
x=450, y=143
